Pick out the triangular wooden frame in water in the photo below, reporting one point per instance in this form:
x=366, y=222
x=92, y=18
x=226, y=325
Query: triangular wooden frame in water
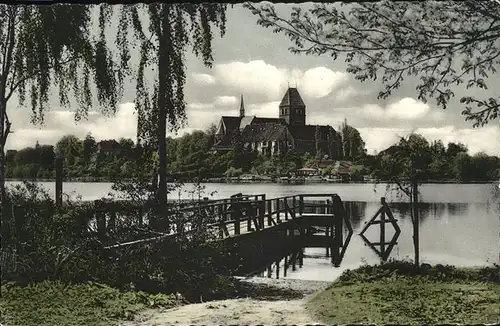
x=383, y=211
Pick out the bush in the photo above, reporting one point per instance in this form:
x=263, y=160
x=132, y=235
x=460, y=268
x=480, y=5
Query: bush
x=439, y=273
x=63, y=244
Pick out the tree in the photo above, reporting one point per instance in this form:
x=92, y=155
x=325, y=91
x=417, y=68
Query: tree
x=454, y=149
x=172, y=27
x=70, y=148
x=352, y=144
x=44, y=46
x=447, y=44
x=406, y=164
x=126, y=148
x=89, y=148
x=317, y=143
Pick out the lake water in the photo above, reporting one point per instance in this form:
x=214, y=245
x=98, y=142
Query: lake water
x=459, y=223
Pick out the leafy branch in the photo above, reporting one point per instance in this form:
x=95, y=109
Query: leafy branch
x=444, y=44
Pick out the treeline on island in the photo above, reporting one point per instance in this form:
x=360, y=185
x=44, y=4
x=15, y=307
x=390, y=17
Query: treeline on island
x=189, y=159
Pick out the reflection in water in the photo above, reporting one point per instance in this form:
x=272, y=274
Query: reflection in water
x=457, y=208
x=356, y=212
x=450, y=233
x=432, y=210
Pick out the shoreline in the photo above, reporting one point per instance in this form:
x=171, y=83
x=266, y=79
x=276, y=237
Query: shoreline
x=259, y=182
x=242, y=311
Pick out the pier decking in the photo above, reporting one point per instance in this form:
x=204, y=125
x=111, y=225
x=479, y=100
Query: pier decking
x=305, y=220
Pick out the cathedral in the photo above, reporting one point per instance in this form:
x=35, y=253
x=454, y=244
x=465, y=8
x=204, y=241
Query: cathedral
x=271, y=136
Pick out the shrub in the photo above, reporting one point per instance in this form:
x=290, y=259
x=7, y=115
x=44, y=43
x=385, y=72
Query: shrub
x=63, y=244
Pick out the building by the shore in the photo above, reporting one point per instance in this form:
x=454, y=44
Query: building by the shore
x=271, y=136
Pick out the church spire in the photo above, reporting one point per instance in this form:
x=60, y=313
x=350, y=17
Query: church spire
x=242, y=108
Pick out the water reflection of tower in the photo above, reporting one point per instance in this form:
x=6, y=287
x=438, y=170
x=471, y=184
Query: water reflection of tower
x=457, y=208
x=356, y=211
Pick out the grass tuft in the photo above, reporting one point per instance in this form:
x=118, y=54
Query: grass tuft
x=400, y=293
x=56, y=303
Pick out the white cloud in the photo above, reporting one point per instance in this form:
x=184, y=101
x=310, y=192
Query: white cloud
x=200, y=106
x=60, y=123
x=405, y=109
x=261, y=78
x=268, y=109
x=254, y=76
x=225, y=100
x=485, y=139
x=203, y=79
x=320, y=81
x=346, y=93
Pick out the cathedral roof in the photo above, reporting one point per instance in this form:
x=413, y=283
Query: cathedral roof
x=292, y=98
x=264, y=132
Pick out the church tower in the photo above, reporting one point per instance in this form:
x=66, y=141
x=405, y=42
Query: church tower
x=292, y=108
x=242, y=108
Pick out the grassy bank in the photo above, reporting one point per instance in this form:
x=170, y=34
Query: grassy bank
x=54, y=303
x=398, y=293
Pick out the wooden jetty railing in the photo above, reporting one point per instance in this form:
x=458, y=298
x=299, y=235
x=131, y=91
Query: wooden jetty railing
x=299, y=215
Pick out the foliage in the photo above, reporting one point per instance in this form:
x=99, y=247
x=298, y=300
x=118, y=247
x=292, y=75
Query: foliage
x=407, y=301
x=404, y=162
x=449, y=45
x=42, y=237
x=435, y=162
x=232, y=172
x=171, y=28
x=45, y=46
x=400, y=292
x=188, y=161
x=437, y=273
x=49, y=303
x=179, y=26
x=64, y=244
x=352, y=144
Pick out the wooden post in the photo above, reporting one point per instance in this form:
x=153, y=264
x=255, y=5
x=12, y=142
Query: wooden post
x=250, y=211
x=301, y=257
x=270, y=213
x=278, y=210
x=294, y=203
x=222, y=219
x=278, y=269
x=269, y=271
x=327, y=231
x=100, y=219
x=337, y=240
x=112, y=221
x=59, y=180
x=382, y=229
x=301, y=205
x=140, y=219
x=286, y=266
x=236, y=216
x=416, y=235
x=294, y=261
x=262, y=211
x=285, y=202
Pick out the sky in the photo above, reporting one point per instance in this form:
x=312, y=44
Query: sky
x=254, y=62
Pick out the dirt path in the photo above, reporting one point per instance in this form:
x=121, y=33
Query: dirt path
x=239, y=311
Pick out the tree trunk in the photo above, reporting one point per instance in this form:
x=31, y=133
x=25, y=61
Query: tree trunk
x=163, y=87
x=3, y=139
x=416, y=220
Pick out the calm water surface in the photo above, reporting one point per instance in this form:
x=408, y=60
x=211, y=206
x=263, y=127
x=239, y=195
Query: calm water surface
x=459, y=223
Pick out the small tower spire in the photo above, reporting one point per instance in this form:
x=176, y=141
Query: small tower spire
x=242, y=107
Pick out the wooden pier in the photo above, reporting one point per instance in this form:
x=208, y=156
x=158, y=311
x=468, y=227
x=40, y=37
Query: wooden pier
x=263, y=231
